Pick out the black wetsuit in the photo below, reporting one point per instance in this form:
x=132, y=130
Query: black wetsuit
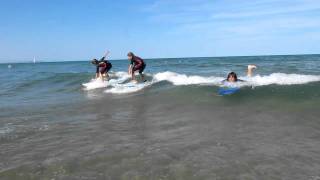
x=138, y=64
x=103, y=66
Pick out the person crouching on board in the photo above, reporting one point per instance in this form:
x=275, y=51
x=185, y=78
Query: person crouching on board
x=136, y=64
x=232, y=77
x=103, y=66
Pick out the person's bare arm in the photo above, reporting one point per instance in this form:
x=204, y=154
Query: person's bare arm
x=250, y=70
x=130, y=69
x=131, y=72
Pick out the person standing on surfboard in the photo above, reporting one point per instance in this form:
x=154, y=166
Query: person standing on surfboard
x=232, y=77
x=136, y=64
x=103, y=66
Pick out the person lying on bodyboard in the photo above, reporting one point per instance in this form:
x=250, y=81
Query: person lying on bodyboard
x=233, y=78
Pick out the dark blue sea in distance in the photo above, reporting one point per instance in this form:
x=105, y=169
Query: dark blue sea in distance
x=58, y=123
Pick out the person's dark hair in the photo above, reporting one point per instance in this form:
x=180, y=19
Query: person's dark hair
x=130, y=54
x=94, y=61
x=232, y=74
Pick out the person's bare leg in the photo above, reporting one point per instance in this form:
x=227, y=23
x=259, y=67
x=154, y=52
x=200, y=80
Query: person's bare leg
x=101, y=76
x=104, y=76
x=142, y=77
x=107, y=76
x=133, y=77
x=250, y=70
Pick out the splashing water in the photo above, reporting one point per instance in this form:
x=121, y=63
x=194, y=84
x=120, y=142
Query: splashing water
x=117, y=85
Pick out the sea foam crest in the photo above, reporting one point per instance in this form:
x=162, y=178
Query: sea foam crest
x=274, y=78
x=183, y=79
x=128, y=87
x=95, y=84
x=117, y=78
x=281, y=79
x=120, y=82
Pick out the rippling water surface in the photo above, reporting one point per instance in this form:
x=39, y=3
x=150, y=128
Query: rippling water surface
x=57, y=123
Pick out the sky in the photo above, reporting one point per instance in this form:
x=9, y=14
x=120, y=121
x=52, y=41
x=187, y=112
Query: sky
x=58, y=30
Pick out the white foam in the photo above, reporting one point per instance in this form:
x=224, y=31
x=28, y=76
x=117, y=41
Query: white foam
x=182, y=79
x=117, y=86
x=274, y=78
x=281, y=79
x=128, y=88
x=118, y=77
x=95, y=84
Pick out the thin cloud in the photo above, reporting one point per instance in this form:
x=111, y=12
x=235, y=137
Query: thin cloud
x=228, y=9
x=274, y=10
x=249, y=17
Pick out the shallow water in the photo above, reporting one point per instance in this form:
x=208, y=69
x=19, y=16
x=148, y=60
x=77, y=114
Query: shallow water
x=176, y=127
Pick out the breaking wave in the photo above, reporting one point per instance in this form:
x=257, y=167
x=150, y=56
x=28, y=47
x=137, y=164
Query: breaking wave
x=120, y=81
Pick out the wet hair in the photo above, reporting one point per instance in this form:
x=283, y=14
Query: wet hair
x=232, y=74
x=130, y=54
x=94, y=61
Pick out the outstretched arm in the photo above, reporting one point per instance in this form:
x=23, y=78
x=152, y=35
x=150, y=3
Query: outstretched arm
x=250, y=70
x=105, y=55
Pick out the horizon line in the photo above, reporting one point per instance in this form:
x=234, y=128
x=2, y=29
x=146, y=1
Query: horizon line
x=157, y=58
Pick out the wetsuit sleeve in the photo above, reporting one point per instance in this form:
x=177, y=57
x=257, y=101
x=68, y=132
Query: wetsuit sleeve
x=102, y=59
x=140, y=60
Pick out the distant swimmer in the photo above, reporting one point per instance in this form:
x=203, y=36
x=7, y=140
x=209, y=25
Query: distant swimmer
x=136, y=64
x=232, y=77
x=103, y=66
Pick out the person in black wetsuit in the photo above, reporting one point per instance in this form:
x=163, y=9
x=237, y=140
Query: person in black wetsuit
x=103, y=66
x=136, y=64
x=232, y=77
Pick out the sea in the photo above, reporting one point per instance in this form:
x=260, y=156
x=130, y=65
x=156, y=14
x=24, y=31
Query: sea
x=57, y=122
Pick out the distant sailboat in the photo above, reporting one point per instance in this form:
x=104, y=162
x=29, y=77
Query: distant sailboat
x=34, y=60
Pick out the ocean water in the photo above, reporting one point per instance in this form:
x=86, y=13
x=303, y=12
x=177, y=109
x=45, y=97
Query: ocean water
x=58, y=123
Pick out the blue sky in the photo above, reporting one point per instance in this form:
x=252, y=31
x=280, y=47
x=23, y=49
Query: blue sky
x=83, y=29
